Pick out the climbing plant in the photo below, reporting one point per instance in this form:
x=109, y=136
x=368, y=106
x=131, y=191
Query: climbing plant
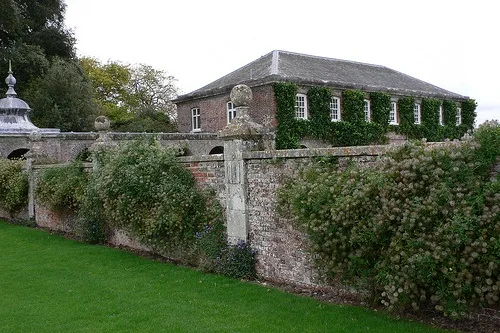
x=406, y=119
x=319, y=110
x=353, y=102
x=469, y=113
x=380, y=108
x=286, y=135
x=430, y=127
x=353, y=130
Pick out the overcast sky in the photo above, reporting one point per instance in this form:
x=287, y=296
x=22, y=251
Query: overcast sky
x=451, y=44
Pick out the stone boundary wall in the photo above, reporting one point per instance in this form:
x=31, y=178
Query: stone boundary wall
x=281, y=248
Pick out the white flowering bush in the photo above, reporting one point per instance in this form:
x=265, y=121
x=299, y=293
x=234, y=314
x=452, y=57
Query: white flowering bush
x=422, y=225
x=13, y=185
x=142, y=188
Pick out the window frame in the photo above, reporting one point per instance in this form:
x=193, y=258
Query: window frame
x=230, y=112
x=303, y=107
x=367, y=110
x=458, y=117
x=394, y=112
x=336, y=110
x=417, y=114
x=441, y=115
x=195, y=119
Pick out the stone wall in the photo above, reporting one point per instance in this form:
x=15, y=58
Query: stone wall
x=281, y=248
x=65, y=147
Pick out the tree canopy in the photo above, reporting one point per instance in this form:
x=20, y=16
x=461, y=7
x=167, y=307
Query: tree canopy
x=66, y=92
x=136, y=98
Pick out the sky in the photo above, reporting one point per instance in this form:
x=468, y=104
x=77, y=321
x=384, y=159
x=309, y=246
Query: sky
x=451, y=44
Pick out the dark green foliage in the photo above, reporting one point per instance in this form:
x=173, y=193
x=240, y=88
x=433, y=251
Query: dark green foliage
x=217, y=256
x=318, y=99
x=62, y=188
x=469, y=113
x=344, y=134
x=142, y=188
x=32, y=33
x=319, y=125
x=147, y=121
x=449, y=113
x=63, y=98
x=380, y=108
x=421, y=226
x=286, y=135
x=430, y=127
x=353, y=102
x=406, y=118
x=13, y=185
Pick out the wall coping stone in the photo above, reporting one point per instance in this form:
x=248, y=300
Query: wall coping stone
x=303, y=153
x=202, y=158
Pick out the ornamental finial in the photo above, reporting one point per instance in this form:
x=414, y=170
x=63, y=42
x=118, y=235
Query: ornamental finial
x=10, y=81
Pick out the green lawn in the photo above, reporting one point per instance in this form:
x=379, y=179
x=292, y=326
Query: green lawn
x=51, y=284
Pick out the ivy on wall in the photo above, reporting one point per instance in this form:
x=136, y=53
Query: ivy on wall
x=353, y=130
x=430, y=119
x=291, y=130
x=286, y=135
x=353, y=102
x=319, y=111
x=380, y=108
x=406, y=119
x=469, y=113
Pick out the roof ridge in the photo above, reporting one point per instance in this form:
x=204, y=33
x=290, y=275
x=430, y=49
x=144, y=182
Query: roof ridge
x=328, y=58
x=238, y=69
x=274, y=63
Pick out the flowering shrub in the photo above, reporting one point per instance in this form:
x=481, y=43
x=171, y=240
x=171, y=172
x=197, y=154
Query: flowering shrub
x=422, y=225
x=62, y=187
x=142, y=188
x=13, y=185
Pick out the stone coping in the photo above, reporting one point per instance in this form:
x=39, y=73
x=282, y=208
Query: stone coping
x=312, y=152
x=202, y=158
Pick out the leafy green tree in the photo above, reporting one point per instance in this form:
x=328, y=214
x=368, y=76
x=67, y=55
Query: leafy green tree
x=32, y=32
x=110, y=83
x=135, y=98
x=63, y=98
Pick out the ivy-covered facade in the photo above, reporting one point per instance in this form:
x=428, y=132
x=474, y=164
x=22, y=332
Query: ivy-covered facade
x=335, y=102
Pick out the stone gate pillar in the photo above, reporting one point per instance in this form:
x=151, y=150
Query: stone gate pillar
x=241, y=135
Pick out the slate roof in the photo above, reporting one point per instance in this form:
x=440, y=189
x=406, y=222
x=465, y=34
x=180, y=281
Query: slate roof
x=312, y=70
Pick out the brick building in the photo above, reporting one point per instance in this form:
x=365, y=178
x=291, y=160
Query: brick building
x=209, y=108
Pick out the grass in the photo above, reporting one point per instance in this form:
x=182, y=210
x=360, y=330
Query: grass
x=51, y=284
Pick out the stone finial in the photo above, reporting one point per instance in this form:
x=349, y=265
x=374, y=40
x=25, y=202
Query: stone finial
x=101, y=124
x=241, y=95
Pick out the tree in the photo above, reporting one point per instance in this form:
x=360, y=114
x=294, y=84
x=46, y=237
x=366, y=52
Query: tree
x=135, y=98
x=110, y=83
x=32, y=32
x=33, y=36
x=63, y=98
x=153, y=89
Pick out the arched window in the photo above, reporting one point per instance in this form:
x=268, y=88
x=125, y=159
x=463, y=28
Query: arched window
x=217, y=150
x=18, y=154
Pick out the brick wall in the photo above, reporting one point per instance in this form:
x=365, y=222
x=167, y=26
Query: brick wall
x=213, y=110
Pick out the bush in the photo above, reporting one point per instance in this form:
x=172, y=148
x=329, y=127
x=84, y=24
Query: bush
x=422, y=225
x=62, y=188
x=13, y=185
x=143, y=189
x=236, y=261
